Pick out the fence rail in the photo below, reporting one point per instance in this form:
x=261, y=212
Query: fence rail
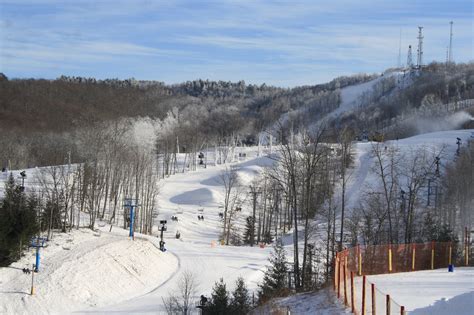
x=352, y=265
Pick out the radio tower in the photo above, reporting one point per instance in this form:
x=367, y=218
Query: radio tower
x=450, y=55
x=399, y=63
x=409, y=58
x=419, y=61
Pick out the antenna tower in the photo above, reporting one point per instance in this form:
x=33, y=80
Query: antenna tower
x=419, y=61
x=447, y=56
x=409, y=58
x=400, y=50
x=450, y=55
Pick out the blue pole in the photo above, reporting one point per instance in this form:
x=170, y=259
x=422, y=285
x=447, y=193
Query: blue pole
x=37, y=259
x=131, y=222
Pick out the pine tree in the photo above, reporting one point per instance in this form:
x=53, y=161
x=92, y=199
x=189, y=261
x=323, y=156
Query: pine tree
x=219, y=299
x=17, y=222
x=274, y=280
x=249, y=235
x=240, y=304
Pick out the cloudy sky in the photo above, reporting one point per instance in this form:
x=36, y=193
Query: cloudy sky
x=283, y=43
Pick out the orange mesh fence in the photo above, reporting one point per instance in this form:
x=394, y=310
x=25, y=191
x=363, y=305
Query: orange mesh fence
x=353, y=264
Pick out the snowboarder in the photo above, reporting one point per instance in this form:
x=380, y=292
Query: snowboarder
x=178, y=235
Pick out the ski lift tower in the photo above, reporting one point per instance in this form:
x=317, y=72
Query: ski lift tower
x=131, y=204
x=37, y=242
x=23, y=176
x=162, y=229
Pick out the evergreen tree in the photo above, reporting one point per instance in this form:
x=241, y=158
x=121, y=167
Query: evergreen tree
x=219, y=299
x=17, y=222
x=274, y=280
x=240, y=304
x=249, y=235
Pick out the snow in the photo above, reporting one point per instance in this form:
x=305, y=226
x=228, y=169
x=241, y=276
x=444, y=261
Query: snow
x=350, y=95
x=431, y=291
x=322, y=302
x=85, y=273
x=362, y=176
x=72, y=272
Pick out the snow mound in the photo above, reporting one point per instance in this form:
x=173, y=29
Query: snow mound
x=461, y=304
x=74, y=279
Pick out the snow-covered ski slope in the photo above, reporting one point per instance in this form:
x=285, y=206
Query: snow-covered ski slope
x=362, y=175
x=351, y=94
x=86, y=273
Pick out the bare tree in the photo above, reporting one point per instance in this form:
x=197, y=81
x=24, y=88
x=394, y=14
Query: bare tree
x=232, y=198
x=181, y=301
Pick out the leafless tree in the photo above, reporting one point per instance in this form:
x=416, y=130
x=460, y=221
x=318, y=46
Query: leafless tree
x=181, y=300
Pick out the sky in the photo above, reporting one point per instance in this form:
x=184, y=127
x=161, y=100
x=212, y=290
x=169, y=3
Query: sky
x=283, y=43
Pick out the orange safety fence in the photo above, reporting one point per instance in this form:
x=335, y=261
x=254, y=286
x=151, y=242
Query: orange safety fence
x=353, y=264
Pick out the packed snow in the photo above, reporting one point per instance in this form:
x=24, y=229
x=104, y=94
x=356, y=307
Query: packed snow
x=106, y=272
x=431, y=291
x=361, y=175
x=84, y=269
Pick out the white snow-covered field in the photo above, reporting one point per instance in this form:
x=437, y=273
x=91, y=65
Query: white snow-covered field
x=85, y=273
x=431, y=292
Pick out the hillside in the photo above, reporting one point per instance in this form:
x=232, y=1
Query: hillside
x=104, y=271
x=37, y=115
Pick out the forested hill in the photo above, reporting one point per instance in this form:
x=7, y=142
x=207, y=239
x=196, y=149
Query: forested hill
x=37, y=115
x=68, y=102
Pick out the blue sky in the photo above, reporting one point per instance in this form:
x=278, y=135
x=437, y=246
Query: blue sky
x=284, y=43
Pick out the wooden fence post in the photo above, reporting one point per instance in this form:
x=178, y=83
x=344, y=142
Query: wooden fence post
x=359, y=260
x=450, y=254
x=346, y=302
x=352, y=293
x=466, y=246
x=335, y=273
x=413, y=256
x=432, y=254
x=389, y=257
x=338, y=278
x=363, y=295
x=387, y=305
x=402, y=310
x=374, y=308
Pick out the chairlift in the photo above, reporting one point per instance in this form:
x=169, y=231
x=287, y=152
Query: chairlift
x=38, y=242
